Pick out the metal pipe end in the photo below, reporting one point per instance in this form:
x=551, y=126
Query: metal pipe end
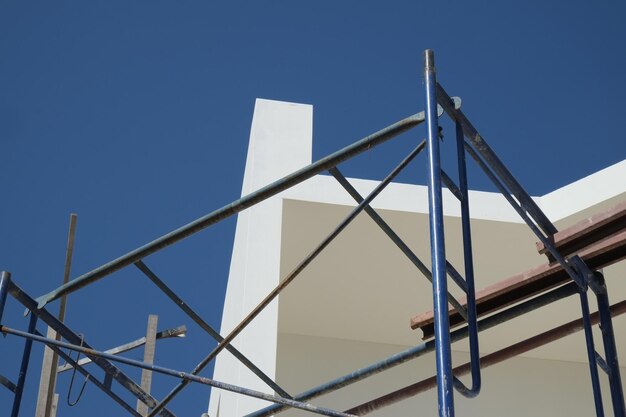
x=429, y=60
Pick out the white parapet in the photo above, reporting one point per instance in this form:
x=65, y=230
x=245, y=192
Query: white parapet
x=280, y=143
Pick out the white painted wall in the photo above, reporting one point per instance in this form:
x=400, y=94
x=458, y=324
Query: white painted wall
x=280, y=143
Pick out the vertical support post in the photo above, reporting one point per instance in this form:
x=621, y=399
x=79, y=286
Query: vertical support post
x=610, y=350
x=5, y=279
x=47, y=380
x=591, y=353
x=55, y=405
x=148, y=357
x=437, y=246
x=19, y=389
x=469, y=268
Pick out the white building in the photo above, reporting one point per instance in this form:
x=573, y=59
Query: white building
x=351, y=307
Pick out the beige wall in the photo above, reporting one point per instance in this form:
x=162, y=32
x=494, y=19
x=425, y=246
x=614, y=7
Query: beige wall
x=520, y=387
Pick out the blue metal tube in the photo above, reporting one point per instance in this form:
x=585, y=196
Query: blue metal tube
x=469, y=272
x=610, y=351
x=178, y=374
x=19, y=387
x=5, y=279
x=580, y=272
x=443, y=355
x=427, y=347
x=235, y=207
x=591, y=353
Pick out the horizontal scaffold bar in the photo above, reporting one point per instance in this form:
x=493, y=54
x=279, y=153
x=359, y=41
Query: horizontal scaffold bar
x=424, y=348
x=487, y=360
x=237, y=206
x=175, y=373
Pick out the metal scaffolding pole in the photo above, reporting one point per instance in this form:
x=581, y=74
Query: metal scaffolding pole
x=235, y=207
x=438, y=255
x=488, y=360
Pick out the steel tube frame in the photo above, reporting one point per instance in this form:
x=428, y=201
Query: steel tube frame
x=421, y=349
x=110, y=369
x=490, y=156
x=443, y=354
x=80, y=368
x=575, y=267
x=610, y=352
x=487, y=360
x=341, y=179
x=172, y=372
x=207, y=328
x=235, y=207
x=470, y=289
x=294, y=273
x=21, y=379
x=524, y=206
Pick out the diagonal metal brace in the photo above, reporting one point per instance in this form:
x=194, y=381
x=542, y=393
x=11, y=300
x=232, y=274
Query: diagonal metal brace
x=73, y=338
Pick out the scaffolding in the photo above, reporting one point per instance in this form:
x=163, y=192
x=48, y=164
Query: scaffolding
x=574, y=255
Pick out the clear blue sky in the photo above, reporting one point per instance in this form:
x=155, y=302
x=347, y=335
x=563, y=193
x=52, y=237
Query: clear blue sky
x=135, y=115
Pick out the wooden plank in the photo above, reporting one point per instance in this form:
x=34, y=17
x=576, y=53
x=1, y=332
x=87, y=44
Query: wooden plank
x=532, y=282
x=47, y=381
x=587, y=231
x=148, y=357
x=55, y=405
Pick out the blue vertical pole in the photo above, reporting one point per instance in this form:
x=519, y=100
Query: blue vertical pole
x=591, y=353
x=28, y=344
x=5, y=278
x=610, y=350
x=437, y=245
x=469, y=267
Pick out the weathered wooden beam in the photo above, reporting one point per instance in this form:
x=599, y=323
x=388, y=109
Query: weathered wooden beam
x=47, y=381
x=148, y=357
x=587, y=231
